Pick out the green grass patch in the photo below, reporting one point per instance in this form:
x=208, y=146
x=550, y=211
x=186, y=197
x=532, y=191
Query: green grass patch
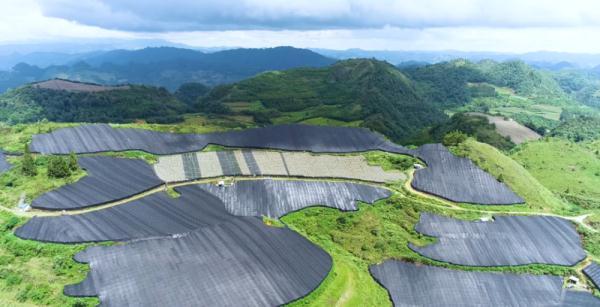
x=371, y=235
x=272, y=222
x=13, y=183
x=390, y=161
x=566, y=168
x=33, y=273
x=324, y=121
x=13, y=138
x=537, y=196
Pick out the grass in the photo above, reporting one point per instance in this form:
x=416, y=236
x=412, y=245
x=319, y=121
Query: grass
x=33, y=274
x=537, y=196
x=13, y=183
x=579, y=167
x=196, y=123
x=15, y=137
x=324, y=121
x=131, y=154
x=390, y=161
x=369, y=236
x=545, y=111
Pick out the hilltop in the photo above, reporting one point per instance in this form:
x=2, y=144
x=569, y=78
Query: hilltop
x=362, y=92
x=73, y=86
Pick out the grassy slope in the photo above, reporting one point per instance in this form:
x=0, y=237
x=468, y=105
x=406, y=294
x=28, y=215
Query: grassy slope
x=32, y=273
x=566, y=168
x=13, y=184
x=537, y=197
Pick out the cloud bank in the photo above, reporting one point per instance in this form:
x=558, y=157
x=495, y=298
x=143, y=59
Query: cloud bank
x=182, y=15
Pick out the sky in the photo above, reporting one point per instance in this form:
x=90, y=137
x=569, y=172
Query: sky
x=467, y=25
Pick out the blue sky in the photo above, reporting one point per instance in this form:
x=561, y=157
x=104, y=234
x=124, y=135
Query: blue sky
x=469, y=25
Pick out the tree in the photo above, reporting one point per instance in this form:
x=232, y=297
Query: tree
x=189, y=93
x=58, y=167
x=28, y=164
x=454, y=138
x=73, y=165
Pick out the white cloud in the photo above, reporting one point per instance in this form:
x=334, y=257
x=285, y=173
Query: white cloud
x=510, y=40
x=178, y=15
x=22, y=21
x=469, y=25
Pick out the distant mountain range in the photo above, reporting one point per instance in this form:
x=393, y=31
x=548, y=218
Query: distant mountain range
x=162, y=66
x=173, y=65
x=543, y=59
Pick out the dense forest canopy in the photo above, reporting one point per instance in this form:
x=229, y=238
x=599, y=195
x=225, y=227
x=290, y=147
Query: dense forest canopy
x=375, y=92
x=30, y=104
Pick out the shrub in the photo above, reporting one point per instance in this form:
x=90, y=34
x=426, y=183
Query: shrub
x=61, y=264
x=58, y=167
x=28, y=164
x=73, y=165
x=13, y=280
x=10, y=224
x=454, y=138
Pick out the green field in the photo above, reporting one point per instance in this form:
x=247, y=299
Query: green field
x=538, y=197
x=34, y=274
x=546, y=111
x=569, y=169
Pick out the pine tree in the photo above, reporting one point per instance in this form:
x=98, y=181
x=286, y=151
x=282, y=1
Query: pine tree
x=28, y=164
x=58, y=167
x=73, y=165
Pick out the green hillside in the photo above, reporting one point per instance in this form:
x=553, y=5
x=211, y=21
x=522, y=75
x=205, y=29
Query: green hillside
x=372, y=92
x=568, y=169
x=30, y=104
x=475, y=126
x=507, y=170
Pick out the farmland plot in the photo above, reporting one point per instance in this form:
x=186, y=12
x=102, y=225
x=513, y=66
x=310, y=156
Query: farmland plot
x=190, y=166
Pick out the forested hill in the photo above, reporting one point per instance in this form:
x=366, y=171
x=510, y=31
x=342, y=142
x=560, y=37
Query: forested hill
x=168, y=67
x=83, y=102
x=456, y=82
x=369, y=93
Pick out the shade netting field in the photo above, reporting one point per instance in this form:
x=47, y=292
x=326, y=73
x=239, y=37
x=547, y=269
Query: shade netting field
x=275, y=198
x=507, y=240
x=197, y=206
x=241, y=262
x=108, y=179
x=422, y=285
x=447, y=176
x=593, y=272
x=4, y=164
x=102, y=137
x=155, y=215
x=459, y=179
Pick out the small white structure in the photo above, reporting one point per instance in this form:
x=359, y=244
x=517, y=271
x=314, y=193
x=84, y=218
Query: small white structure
x=572, y=281
x=488, y=218
x=221, y=183
x=22, y=205
x=418, y=166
